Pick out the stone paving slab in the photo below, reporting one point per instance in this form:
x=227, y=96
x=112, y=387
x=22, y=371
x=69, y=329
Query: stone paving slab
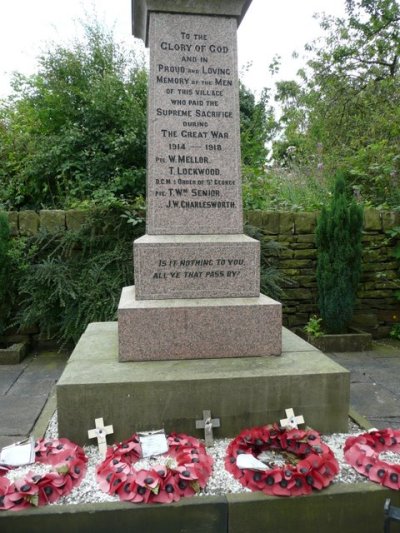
x=373, y=401
x=381, y=423
x=24, y=391
x=18, y=414
x=8, y=375
x=29, y=388
x=375, y=383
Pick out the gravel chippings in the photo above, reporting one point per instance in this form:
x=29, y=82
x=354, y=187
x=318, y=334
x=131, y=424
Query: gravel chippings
x=221, y=482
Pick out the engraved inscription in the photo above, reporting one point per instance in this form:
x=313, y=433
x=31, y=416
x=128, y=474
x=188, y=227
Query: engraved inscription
x=194, y=151
x=200, y=270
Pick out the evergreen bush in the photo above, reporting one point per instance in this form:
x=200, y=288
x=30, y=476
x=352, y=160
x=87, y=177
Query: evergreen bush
x=339, y=251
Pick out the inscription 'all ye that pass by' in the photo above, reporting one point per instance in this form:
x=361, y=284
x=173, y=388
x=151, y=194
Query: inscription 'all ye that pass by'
x=194, y=154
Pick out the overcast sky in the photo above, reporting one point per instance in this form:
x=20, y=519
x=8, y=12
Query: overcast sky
x=271, y=27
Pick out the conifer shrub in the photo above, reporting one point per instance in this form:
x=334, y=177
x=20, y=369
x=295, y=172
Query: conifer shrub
x=339, y=251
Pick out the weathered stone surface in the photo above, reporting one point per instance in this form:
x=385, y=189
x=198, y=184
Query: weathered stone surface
x=305, y=254
x=13, y=222
x=299, y=294
x=254, y=218
x=13, y=354
x=52, y=221
x=372, y=220
x=233, y=513
x=193, y=174
x=373, y=294
x=286, y=223
x=296, y=263
x=327, y=511
x=305, y=222
x=364, y=320
x=303, y=246
x=305, y=238
x=141, y=10
x=390, y=219
x=270, y=222
x=172, y=394
x=196, y=266
x=28, y=223
x=194, y=513
x=76, y=218
x=197, y=329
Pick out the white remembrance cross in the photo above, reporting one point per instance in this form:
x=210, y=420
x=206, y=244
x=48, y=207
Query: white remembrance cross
x=292, y=421
x=100, y=432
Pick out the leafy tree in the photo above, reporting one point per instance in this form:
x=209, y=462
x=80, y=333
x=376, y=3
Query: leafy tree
x=76, y=129
x=344, y=111
x=339, y=250
x=256, y=127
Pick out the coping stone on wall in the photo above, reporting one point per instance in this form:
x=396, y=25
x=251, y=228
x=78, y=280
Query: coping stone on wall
x=28, y=223
x=286, y=222
x=305, y=222
x=390, y=219
x=76, y=218
x=372, y=220
x=52, y=220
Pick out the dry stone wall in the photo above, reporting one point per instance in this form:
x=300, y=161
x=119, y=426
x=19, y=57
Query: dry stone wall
x=377, y=308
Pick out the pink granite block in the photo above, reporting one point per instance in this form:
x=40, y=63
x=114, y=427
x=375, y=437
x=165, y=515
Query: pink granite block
x=197, y=329
x=196, y=266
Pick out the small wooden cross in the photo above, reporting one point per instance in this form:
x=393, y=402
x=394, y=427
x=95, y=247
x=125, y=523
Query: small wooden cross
x=292, y=421
x=100, y=432
x=208, y=424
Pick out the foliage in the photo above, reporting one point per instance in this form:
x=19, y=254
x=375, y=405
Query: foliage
x=74, y=134
x=75, y=277
x=76, y=127
x=292, y=188
x=344, y=110
x=313, y=327
x=395, y=332
x=4, y=268
x=69, y=279
x=338, y=240
x=272, y=280
x=257, y=125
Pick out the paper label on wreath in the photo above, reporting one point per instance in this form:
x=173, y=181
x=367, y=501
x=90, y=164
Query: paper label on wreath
x=19, y=453
x=153, y=443
x=249, y=462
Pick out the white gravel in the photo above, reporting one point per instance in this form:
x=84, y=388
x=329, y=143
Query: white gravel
x=221, y=482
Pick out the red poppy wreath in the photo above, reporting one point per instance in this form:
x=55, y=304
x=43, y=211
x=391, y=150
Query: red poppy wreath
x=363, y=454
x=69, y=462
x=182, y=471
x=310, y=463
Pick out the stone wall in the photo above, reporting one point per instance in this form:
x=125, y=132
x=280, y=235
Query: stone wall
x=376, y=309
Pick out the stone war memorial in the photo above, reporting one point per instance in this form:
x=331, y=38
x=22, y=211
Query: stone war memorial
x=194, y=335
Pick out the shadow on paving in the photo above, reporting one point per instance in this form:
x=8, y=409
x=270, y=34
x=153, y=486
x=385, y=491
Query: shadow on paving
x=24, y=390
x=375, y=383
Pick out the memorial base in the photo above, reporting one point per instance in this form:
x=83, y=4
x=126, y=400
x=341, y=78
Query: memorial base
x=242, y=392
x=197, y=328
